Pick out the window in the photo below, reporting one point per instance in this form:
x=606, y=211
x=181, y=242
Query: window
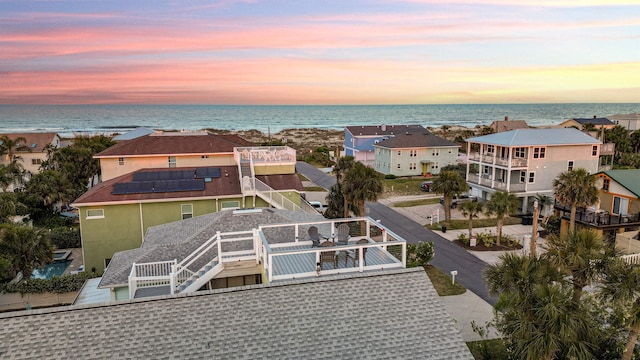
x=523, y=176
x=490, y=149
x=485, y=170
x=106, y=263
x=399, y=152
x=519, y=152
x=450, y=151
x=435, y=165
x=398, y=166
x=95, y=214
x=413, y=153
x=186, y=211
x=120, y=161
x=605, y=184
x=538, y=153
x=594, y=150
x=570, y=165
x=36, y=161
x=412, y=166
x=532, y=177
x=435, y=152
x=172, y=161
x=230, y=204
x=620, y=205
x=204, y=156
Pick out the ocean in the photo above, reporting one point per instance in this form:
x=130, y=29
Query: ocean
x=69, y=120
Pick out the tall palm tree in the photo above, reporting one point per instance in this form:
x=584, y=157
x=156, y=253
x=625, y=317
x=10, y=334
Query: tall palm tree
x=543, y=203
x=581, y=254
x=471, y=210
x=8, y=145
x=26, y=248
x=343, y=165
x=361, y=184
x=501, y=204
x=576, y=188
x=449, y=184
x=621, y=287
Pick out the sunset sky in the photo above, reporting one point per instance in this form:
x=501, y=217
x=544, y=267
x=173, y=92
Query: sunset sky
x=319, y=52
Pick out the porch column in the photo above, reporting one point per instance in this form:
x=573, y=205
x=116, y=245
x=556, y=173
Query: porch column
x=509, y=157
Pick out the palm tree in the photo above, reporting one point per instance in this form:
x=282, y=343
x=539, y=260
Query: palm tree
x=543, y=202
x=26, y=248
x=8, y=145
x=621, y=287
x=471, y=210
x=50, y=187
x=449, y=184
x=575, y=188
x=502, y=204
x=343, y=165
x=11, y=173
x=361, y=183
x=581, y=254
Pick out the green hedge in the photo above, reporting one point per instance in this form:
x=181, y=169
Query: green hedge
x=57, y=284
x=64, y=237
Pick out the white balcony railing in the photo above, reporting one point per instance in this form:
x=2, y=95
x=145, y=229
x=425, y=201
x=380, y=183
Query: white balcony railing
x=267, y=155
x=501, y=161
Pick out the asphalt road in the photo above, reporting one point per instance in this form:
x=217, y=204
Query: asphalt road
x=448, y=256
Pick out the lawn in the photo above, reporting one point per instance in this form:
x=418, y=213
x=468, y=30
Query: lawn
x=477, y=223
x=442, y=282
x=314, y=188
x=419, y=202
x=402, y=186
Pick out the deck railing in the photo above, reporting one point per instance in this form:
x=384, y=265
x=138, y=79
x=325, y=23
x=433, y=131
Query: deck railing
x=150, y=275
x=599, y=218
x=267, y=154
x=632, y=259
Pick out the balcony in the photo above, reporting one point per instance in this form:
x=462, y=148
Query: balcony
x=284, y=251
x=598, y=218
x=266, y=155
x=498, y=185
x=501, y=161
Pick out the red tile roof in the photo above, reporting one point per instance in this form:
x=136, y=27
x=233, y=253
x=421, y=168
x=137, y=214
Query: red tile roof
x=226, y=185
x=174, y=144
x=40, y=140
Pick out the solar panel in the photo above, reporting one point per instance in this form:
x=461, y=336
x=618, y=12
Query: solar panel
x=202, y=173
x=179, y=185
x=136, y=187
x=163, y=175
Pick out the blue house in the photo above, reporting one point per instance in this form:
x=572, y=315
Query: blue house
x=359, y=140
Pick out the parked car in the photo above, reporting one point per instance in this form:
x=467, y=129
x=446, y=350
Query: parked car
x=426, y=186
x=318, y=206
x=459, y=199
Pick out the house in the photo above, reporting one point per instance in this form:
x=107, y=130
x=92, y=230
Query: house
x=616, y=215
x=32, y=152
x=630, y=121
x=133, y=134
x=526, y=161
x=246, y=247
x=359, y=140
x=579, y=123
x=414, y=153
x=169, y=150
x=508, y=125
x=377, y=315
x=116, y=213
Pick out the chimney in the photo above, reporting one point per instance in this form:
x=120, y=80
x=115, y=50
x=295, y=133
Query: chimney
x=506, y=118
x=594, y=117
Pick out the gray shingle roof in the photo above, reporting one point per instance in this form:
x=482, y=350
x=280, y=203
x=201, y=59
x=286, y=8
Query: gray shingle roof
x=533, y=137
x=383, y=315
x=416, y=140
x=178, y=239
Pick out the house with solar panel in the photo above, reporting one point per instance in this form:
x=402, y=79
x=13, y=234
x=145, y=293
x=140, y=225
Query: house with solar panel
x=31, y=152
x=414, y=153
x=526, y=161
x=359, y=141
x=165, y=177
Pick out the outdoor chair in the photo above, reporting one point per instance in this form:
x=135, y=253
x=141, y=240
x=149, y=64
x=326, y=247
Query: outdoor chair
x=315, y=236
x=353, y=254
x=328, y=256
x=342, y=236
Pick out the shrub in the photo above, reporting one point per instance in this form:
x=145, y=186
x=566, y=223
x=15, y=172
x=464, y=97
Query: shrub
x=63, y=237
x=424, y=252
x=552, y=226
x=57, y=284
x=487, y=239
x=464, y=239
x=389, y=176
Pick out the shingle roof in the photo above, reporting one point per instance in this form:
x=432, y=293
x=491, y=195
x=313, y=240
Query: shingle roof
x=506, y=125
x=222, y=186
x=175, y=143
x=384, y=315
x=372, y=130
x=178, y=239
x=532, y=137
x=594, y=121
x=416, y=140
x=36, y=142
x=627, y=178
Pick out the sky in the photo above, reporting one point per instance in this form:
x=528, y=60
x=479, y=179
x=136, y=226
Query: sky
x=319, y=52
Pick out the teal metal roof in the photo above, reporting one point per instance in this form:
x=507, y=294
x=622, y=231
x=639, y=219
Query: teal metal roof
x=534, y=137
x=626, y=178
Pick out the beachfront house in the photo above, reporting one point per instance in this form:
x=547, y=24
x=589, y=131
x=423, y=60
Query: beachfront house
x=116, y=213
x=525, y=162
x=580, y=123
x=616, y=214
x=629, y=121
x=386, y=314
x=359, y=141
x=414, y=153
x=508, y=125
x=31, y=152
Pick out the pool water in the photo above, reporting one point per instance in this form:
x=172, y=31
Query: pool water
x=50, y=270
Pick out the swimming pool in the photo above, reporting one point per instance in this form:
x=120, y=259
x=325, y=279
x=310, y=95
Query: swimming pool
x=50, y=270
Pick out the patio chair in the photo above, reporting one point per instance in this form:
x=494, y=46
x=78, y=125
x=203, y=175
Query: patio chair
x=328, y=256
x=353, y=254
x=342, y=236
x=315, y=236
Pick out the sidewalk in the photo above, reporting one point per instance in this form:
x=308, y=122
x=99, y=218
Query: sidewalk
x=466, y=308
